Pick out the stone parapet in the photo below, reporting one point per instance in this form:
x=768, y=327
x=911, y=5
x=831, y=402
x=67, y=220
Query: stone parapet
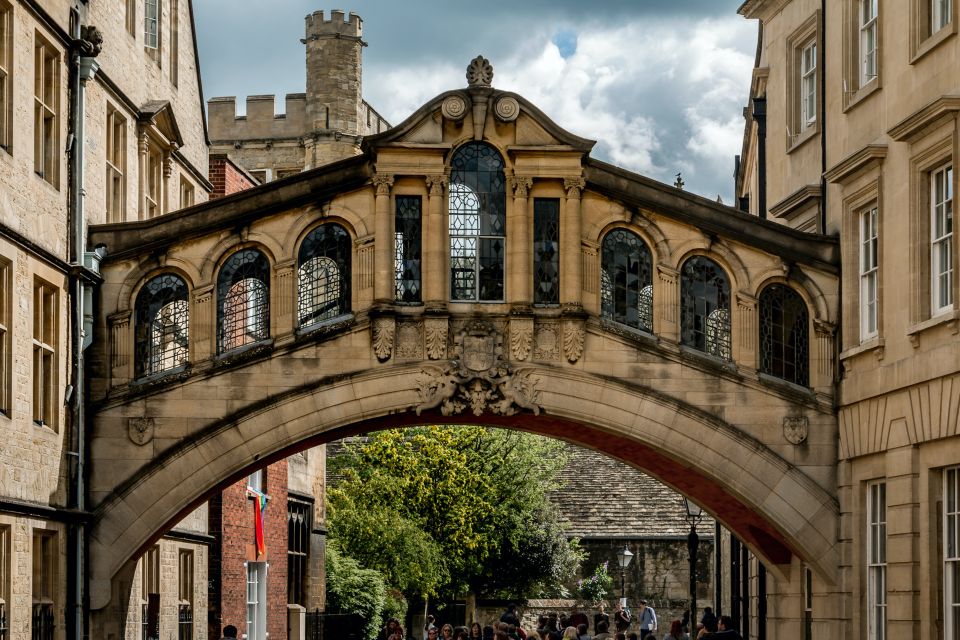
x=261, y=122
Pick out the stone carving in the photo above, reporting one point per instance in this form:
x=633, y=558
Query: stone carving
x=573, y=337
x=478, y=378
x=436, y=184
x=520, y=185
x=409, y=340
x=436, y=338
x=383, y=332
x=383, y=183
x=479, y=72
x=91, y=41
x=140, y=430
x=454, y=108
x=573, y=187
x=546, y=344
x=795, y=429
x=521, y=338
x=507, y=109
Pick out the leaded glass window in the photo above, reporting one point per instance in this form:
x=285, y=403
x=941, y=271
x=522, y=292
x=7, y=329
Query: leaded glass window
x=626, y=280
x=705, y=307
x=784, y=334
x=477, y=224
x=243, y=300
x=546, y=251
x=323, y=275
x=407, y=246
x=162, y=321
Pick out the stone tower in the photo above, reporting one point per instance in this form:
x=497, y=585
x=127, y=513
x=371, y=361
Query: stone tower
x=334, y=99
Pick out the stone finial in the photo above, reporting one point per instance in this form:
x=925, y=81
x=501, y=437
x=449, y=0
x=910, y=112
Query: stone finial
x=479, y=72
x=679, y=183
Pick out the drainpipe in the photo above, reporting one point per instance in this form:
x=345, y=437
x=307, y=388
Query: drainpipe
x=83, y=68
x=760, y=117
x=823, y=115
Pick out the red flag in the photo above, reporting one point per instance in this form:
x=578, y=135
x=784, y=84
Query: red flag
x=259, y=504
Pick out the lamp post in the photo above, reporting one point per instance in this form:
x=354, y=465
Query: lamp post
x=623, y=559
x=693, y=513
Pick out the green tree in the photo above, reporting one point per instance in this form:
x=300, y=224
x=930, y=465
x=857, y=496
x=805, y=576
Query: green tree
x=446, y=509
x=353, y=589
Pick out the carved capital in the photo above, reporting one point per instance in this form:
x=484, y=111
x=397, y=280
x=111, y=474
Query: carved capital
x=573, y=187
x=383, y=183
x=520, y=185
x=168, y=166
x=436, y=184
x=143, y=143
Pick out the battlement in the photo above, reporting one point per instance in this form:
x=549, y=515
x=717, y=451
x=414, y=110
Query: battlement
x=317, y=26
x=260, y=121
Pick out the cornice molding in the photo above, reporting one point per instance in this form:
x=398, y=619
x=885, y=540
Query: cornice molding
x=914, y=126
x=790, y=206
x=856, y=162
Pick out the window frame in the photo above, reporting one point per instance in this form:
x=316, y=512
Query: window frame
x=5, y=573
x=299, y=525
x=944, y=243
x=45, y=588
x=950, y=558
x=408, y=252
x=256, y=609
x=153, y=180
x=869, y=214
x=185, y=588
x=544, y=222
x=188, y=193
x=6, y=298
x=609, y=287
x=254, y=307
x=149, y=360
x=46, y=116
x=328, y=244
x=45, y=340
x=876, y=560
x=116, y=164
x=800, y=125
x=6, y=76
x=150, y=586
x=789, y=341
x=151, y=37
x=715, y=319
x=867, y=25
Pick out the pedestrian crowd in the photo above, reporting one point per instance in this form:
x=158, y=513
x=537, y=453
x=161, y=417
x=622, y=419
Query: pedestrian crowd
x=576, y=626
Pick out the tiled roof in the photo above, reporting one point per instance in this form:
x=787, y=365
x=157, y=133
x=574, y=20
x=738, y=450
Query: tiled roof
x=605, y=498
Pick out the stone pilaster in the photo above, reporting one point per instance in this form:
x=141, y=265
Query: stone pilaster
x=571, y=292
x=519, y=246
x=285, y=294
x=745, y=338
x=436, y=235
x=665, y=300
x=383, y=283
x=203, y=323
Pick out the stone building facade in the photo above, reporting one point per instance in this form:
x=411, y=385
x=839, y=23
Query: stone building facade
x=324, y=124
x=101, y=121
x=853, y=131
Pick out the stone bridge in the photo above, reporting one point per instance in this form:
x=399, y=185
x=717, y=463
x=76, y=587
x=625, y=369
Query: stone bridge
x=473, y=264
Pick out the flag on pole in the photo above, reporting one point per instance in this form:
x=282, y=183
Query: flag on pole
x=259, y=505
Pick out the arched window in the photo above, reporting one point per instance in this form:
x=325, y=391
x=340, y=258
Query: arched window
x=705, y=307
x=784, y=334
x=323, y=275
x=477, y=223
x=162, y=325
x=626, y=280
x=243, y=300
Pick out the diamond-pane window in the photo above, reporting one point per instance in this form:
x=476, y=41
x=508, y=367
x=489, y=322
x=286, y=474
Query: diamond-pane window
x=705, y=307
x=626, y=280
x=162, y=325
x=407, y=244
x=546, y=251
x=784, y=334
x=323, y=275
x=243, y=300
x=477, y=223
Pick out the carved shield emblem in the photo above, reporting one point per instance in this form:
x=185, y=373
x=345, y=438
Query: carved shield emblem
x=479, y=352
x=140, y=430
x=795, y=429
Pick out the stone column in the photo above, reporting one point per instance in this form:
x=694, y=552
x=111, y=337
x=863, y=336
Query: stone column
x=203, y=323
x=143, y=148
x=164, y=203
x=383, y=285
x=571, y=285
x=520, y=249
x=743, y=331
x=436, y=240
x=284, y=318
x=666, y=313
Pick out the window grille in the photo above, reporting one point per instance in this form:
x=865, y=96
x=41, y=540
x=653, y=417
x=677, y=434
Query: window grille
x=299, y=520
x=323, y=275
x=951, y=552
x=185, y=622
x=44, y=624
x=705, y=307
x=626, y=280
x=162, y=325
x=546, y=251
x=185, y=596
x=941, y=238
x=243, y=300
x=784, y=334
x=408, y=247
x=477, y=223
x=45, y=556
x=877, y=561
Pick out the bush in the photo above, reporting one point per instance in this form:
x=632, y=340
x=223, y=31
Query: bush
x=596, y=587
x=353, y=589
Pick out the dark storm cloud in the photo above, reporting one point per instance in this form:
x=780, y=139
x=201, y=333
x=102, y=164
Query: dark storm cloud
x=629, y=73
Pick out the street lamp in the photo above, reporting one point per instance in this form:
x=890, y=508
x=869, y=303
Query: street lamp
x=623, y=559
x=693, y=514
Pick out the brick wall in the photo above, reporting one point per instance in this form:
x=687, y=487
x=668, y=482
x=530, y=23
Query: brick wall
x=227, y=177
x=232, y=522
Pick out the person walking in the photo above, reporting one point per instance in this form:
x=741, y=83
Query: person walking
x=646, y=620
x=622, y=617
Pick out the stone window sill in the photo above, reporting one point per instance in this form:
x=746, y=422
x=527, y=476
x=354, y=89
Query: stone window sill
x=705, y=358
x=798, y=140
x=932, y=42
x=854, y=98
x=787, y=387
x=875, y=344
x=949, y=318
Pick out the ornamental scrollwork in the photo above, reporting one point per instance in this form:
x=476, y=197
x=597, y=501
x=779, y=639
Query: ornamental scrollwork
x=383, y=183
x=436, y=338
x=454, y=108
x=573, y=337
x=383, y=332
x=507, y=109
x=521, y=339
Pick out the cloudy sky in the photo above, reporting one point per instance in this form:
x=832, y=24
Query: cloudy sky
x=659, y=84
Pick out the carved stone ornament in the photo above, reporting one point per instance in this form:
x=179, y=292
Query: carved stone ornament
x=436, y=338
x=573, y=337
x=479, y=72
x=546, y=344
x=573, y=187
x=521, y=338
x=478, y=379
x=409, y=340
x=796, y=429
x=383, y=332
x=383, y=182
x=507, y=109
x=140, y=430
x=454, y=108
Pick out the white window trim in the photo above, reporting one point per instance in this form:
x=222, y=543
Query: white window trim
x=943, y=243
x=951, y=549
x=868, y=27
x=808, y=98
x=256, y=609
x=876, y=560
x=869, y=272
x=151, y=24
x=941, y=12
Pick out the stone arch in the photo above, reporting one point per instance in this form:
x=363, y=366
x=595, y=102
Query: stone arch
x=650, y=233
x=219, y=253
x=313, y=217
x=143, y=271
x=797, y=280
x=768, y=502
x=728, y=260
x=467, y=139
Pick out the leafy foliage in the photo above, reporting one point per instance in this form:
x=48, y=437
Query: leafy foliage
x=446, y=509
x=597, y=586
x=353, y=589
